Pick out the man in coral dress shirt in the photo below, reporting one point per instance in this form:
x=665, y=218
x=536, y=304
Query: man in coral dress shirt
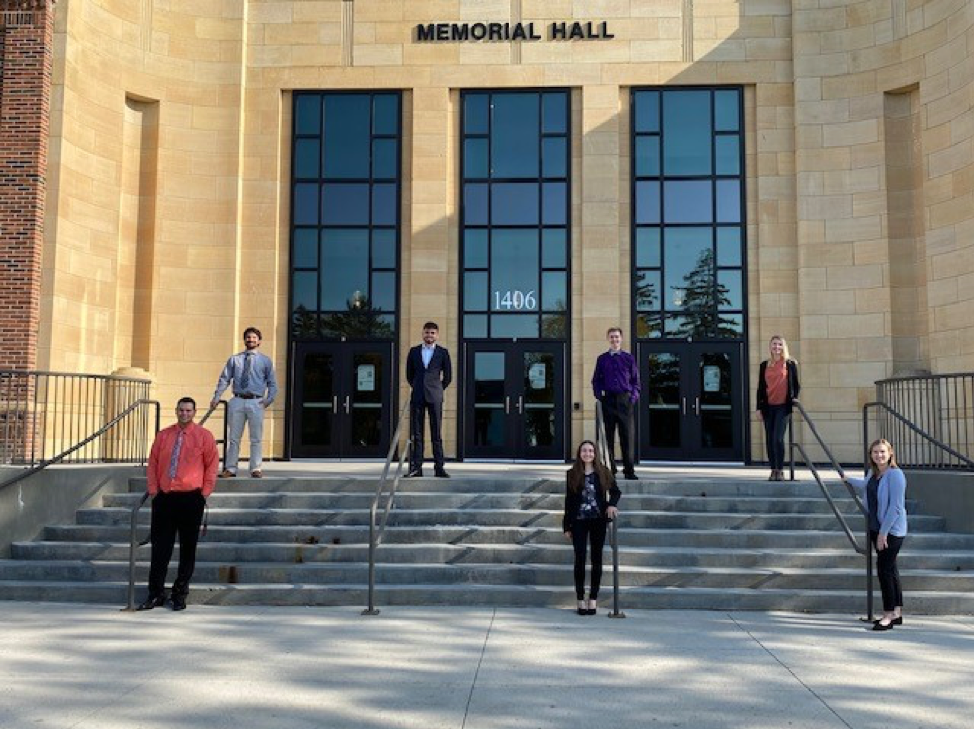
x=183, y=466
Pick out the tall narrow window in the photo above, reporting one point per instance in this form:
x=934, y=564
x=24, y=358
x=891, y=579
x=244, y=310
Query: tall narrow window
x=345, y=216
x=515, y=220
x=688, y=219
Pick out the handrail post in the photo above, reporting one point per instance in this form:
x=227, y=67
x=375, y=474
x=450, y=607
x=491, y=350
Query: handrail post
x=869, y=544
x=602, y=443
x=130, y=602
x=614, y=533
x=371, y=609
x=869, y=575
x=375, y=532
x=791, y=445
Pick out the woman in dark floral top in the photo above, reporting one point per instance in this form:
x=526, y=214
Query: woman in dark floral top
x=591, y=496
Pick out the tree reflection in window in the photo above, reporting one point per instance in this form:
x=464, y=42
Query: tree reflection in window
x=702, y=297
x=687, y=213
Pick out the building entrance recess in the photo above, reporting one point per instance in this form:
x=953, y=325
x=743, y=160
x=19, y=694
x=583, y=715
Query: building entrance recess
x=513, y=400
x=342, y=404
x=693, y=402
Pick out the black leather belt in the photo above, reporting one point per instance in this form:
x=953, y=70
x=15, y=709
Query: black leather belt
x=246, y=397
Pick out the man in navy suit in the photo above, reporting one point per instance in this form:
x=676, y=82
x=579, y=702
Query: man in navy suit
x=429, y=372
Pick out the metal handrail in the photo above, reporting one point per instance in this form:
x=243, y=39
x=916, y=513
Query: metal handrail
x=864, y=551
x=941, y=406
x=133, y=522
x=603, y=446
x=931, y=440
x=222, y=442
x=43, y=412
x=793, y=446
x=376, y=530
x=82, y=443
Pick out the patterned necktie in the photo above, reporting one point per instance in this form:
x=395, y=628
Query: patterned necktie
x=245, y=377
x=174, y=458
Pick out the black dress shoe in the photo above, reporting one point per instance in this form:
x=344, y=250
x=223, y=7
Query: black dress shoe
x=153, y=601
x=178, y=602
x=895, y=621
x=440, y=473
x=416, y=473
x=878, y=625
x=632, y=476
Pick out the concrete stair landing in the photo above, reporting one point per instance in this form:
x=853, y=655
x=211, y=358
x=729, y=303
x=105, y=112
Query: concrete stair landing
x=729, y=541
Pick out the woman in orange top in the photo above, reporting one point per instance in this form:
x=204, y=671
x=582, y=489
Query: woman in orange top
x=777, y=387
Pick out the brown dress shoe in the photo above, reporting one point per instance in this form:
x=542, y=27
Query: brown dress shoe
x=257, y=474
x=227, y=473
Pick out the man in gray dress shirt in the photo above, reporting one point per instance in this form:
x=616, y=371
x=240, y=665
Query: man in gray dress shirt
x=254, y=389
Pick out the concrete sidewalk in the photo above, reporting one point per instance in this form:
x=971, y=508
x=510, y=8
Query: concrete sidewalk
x=330, y=668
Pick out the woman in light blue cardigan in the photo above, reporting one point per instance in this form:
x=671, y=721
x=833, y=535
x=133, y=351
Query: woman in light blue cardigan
x=885, y=492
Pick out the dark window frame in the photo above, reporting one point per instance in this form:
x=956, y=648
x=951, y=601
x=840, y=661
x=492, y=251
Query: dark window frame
x=540, y=313
x=660, y=314
x=317, y=332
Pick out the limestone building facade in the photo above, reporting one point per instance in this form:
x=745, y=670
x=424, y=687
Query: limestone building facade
x=526, y=173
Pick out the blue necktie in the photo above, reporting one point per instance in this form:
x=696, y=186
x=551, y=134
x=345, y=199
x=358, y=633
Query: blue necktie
x=245, y=377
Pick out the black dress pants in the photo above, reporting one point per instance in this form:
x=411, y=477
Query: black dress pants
x=583, y=532
x=776, y=419
x=175, y=512
x=617, y=413
x=887, y=571
x=417, y=414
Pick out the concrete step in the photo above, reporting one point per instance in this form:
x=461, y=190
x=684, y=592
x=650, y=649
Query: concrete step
x=734, y=542
x=551, y=502
x=503, y=517
x=630, y=537
x=660, y=598
x=552, y=553
x=725, y=486
x=337, y=573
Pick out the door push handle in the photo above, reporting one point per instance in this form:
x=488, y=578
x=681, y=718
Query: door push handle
x=520, y=404
x=696, y=406
x=347, y=409
x=507, y=405
x=683, y=400
x=334, y=404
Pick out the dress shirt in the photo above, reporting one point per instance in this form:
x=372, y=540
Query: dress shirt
x=616, y=373
x=776, y=380
x=197, y=462
x=427, y=353
x=261, y=381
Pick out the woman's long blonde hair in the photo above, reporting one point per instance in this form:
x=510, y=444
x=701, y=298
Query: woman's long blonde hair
x=871, y=465
x=785, y=353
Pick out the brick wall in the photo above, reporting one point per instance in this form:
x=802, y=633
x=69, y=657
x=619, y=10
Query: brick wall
x=26, y=44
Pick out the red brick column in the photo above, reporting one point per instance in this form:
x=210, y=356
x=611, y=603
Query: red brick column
x=26, y=51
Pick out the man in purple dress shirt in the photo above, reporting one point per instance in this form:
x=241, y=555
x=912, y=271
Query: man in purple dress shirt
x=616, y=384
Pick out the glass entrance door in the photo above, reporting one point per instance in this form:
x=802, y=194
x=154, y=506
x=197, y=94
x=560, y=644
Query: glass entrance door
x=692, y=406
x=514, y=401
x=341, y=401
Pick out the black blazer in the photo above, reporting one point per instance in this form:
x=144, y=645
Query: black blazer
x=793, y=386
x=428, y=383
x=574, y=499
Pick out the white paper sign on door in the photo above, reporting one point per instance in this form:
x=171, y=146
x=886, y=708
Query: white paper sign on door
x=536, y=376
x=366, y=378
x=711, y=378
